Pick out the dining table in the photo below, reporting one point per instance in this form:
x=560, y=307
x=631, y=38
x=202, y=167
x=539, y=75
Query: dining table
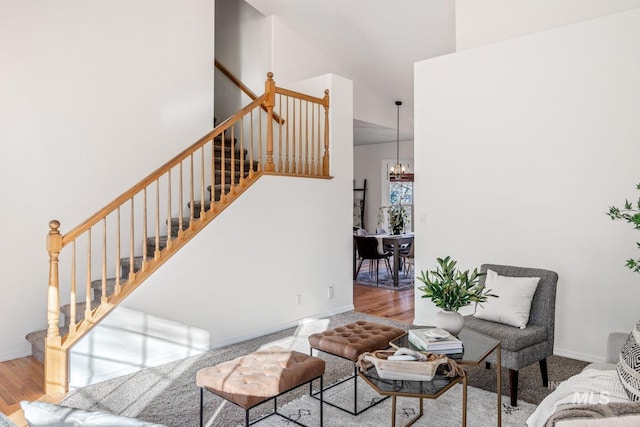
x=396, y=241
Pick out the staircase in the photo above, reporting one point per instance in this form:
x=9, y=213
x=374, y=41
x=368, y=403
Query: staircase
x=241, y=170
x=176, y=201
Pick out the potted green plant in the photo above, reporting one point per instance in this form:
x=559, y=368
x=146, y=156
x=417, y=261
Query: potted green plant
x=396, y=216
x=451, y=289
x=631, y=215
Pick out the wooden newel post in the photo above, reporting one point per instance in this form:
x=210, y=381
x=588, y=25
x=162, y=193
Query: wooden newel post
x=270, y=101
x=54, y=246
x=325, y=157
x=55, y=359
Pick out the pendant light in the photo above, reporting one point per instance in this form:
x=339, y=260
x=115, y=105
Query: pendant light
x=397, y=171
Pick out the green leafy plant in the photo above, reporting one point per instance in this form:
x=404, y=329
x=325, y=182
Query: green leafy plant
x=396, y=216
x=631, y=215
x=450, y=288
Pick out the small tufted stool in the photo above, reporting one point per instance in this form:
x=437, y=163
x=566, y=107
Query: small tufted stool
x=349, y=342
x=250, y=380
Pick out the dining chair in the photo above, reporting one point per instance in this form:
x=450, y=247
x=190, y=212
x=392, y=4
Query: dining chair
x=408, y=259
x=368, y=250
x=361, y=232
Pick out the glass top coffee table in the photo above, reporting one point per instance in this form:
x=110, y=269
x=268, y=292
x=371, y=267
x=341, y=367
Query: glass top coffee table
x=477, y=348
x=419, y=389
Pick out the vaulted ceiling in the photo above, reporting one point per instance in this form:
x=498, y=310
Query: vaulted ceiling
x=377, y=41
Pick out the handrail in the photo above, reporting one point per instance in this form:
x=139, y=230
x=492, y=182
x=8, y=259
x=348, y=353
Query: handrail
x=124, y=197
x=236, y=81
x=303, y=96
x=229, y=158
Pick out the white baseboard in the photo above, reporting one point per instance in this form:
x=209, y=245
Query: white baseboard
x=577, y=355
x=16, y=354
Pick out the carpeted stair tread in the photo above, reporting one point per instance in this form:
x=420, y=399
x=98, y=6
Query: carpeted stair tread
x=37, y=341
x=218, y=190
x=236, y=164
x=125, y=264
x=227, y=176
x=197, y=205
x=175, y=226
x=80, y=309
x=162, y=243
x=217, y=152
x=96, y=286
x=227, y=139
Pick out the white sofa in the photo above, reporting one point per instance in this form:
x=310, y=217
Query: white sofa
x=43, y=414
x=593, y=398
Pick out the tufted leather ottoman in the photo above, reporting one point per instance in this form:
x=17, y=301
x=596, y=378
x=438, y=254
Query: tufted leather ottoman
x=349, y=342
x=255, y=378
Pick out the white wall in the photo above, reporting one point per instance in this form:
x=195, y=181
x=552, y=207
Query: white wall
x=534, y=138
x=243, y=46
x=240, y=276
x=295, y=58
x=250, y=45
x=484, y=22
x=370, y=107
x=368, y=161
x=95, y=95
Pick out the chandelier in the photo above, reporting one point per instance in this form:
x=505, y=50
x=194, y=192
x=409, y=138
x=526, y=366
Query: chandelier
x=397, y=171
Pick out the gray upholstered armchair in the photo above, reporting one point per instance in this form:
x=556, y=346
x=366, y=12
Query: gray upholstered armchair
x=522, y=347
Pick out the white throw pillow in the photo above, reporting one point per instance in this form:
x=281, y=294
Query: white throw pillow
x=513, y=304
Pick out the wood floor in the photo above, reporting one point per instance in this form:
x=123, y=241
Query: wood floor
x=396, y=305
x=22, y=379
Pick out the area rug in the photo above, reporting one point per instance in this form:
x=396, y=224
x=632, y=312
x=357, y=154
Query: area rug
x=385, y=280
x=445, y=411
x=167, y=394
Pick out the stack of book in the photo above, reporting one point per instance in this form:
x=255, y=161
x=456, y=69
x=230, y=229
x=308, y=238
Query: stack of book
x=422, y=340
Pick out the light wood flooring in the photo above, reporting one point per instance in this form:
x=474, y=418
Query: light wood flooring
x=22, y=379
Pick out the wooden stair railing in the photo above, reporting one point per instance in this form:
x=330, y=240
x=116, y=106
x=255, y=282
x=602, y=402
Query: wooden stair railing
x=236, y=81
x=123, y=243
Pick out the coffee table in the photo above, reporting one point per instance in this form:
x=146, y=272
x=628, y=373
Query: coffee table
x=477, y=347
x=419, y=389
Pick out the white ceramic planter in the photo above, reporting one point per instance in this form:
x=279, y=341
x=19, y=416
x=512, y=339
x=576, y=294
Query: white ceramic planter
x=450, y=321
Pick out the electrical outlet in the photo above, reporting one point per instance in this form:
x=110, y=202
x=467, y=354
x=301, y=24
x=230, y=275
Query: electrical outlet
x=298, y=299
x=330, y=292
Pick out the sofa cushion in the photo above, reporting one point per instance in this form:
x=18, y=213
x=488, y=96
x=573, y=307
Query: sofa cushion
x=43, y=414
x=629, y=364
x=513, y=304
x=511, y=339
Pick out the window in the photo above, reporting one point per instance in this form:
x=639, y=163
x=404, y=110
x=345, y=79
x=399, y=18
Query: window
x=401, y=194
